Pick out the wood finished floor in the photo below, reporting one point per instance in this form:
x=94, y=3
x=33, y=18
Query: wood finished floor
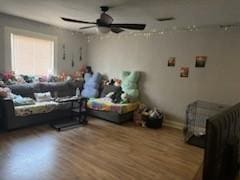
x=100, y=150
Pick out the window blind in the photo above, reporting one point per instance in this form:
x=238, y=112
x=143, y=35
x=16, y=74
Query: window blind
x=32, y=56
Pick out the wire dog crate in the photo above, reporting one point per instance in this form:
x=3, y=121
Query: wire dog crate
x=196, y=115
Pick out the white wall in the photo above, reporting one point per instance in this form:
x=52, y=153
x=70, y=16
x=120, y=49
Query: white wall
x=161, y=86
x=72, y=41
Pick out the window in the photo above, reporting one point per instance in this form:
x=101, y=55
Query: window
x=32, y=56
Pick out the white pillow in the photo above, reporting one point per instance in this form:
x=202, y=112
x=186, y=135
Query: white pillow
x=41, y=97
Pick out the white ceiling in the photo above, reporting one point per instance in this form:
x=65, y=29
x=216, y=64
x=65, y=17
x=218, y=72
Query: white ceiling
x=186, y=12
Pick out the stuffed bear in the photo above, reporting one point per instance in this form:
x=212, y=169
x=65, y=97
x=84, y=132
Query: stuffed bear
x=91, y=85
x=130, y=84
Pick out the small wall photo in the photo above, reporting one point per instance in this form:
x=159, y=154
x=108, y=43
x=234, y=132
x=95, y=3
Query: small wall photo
x=171, y=61
x=184, y=72
x=201, y=61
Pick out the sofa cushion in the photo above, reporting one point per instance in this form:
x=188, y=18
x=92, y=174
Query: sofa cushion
x=26, y=89
x=43, y=97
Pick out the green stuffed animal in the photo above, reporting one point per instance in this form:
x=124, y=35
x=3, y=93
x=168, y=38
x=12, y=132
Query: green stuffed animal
x=130, y=84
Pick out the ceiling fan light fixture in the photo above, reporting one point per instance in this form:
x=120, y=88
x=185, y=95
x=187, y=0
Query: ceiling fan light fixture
x=103, y=29
x=105, y=23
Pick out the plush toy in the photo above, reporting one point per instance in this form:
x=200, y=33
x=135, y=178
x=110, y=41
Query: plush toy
x=45, y=78
x=68, y=78
x=117, y=82
x=119, y=96
x=62, y=76
x=2, y=83
x=116, y=97
x=28, y=79
x=20, y=79
x=138, y=114
x=105, y=82
x=8, y=77
x=130, y=84
x=5, y=92
x=124, y=98
x=92, y=84
x=110, y=82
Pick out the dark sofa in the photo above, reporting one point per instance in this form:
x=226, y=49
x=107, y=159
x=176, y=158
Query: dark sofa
x=11, y=121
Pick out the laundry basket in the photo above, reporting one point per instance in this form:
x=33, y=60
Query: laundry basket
x=196, y=115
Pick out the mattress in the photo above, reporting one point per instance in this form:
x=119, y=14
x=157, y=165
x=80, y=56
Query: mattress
x=105, y=104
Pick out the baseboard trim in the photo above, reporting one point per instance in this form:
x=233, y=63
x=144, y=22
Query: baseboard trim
x=173, y=124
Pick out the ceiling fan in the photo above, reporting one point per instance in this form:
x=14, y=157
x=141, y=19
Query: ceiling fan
x=105, y=23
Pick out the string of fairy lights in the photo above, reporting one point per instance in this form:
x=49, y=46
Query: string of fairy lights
x=155, y=32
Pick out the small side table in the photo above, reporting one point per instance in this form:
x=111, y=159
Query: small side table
x=79, y=113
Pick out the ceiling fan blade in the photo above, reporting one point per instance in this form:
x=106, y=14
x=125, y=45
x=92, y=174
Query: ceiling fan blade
x=76, y=21
x=116, y=29
x=130, y=26
x=87, y=27
x=166, y=19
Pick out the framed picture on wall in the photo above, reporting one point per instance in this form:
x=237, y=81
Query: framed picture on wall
x=184, y=72
x=171, y=61
x=201, y=61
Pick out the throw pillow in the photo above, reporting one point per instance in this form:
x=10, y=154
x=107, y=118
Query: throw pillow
x=41, y=97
